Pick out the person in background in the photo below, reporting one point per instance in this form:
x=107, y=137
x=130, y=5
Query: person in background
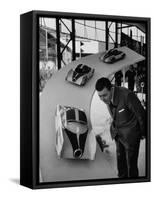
x=127, y=127
x=130, y=75
x=118, y=76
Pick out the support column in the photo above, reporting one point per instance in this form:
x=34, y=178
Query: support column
x=58, y=44
x=106, y=35
x=116, y=35
x=73, y=40
x=120, y=34
x=46, y=45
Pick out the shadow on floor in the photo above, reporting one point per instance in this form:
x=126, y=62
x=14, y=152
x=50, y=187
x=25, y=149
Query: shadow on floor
x=15, y=180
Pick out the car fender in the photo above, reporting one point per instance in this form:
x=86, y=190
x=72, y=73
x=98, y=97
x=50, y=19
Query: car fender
x=69, y=75
x=59, y=133
x=79, y=80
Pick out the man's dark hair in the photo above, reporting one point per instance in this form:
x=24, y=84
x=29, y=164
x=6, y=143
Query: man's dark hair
x=103, y=83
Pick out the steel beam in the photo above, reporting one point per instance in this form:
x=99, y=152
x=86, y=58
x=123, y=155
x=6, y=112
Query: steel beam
x=106, y=35
x=58, y=43
x=73, y=40
x=116, y=35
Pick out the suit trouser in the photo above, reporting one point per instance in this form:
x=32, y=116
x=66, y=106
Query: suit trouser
x=127, y=159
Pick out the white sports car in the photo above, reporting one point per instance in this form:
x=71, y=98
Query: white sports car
x=72, y=122
x=112, y=56
x=80, y=75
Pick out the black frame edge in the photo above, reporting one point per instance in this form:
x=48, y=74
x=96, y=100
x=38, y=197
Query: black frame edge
x=26, y=100
x=90, y=15
x=148, y=159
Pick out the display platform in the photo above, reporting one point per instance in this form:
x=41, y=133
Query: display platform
x=59, y=91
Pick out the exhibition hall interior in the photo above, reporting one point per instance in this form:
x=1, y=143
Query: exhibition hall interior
x=73, y=54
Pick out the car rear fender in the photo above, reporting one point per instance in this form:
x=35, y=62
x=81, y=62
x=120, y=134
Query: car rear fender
x=69, y=75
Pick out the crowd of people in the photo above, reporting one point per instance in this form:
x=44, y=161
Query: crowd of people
x=135, y=79
x=130, y=77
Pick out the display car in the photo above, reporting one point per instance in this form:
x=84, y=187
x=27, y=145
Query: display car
x=80, y=75
x=112, y=56
x=72, y=122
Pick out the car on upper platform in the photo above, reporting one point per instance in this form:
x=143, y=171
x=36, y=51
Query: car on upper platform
x=112, y=56
x=80, y=75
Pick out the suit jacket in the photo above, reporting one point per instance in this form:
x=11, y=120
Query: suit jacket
x=128, y=117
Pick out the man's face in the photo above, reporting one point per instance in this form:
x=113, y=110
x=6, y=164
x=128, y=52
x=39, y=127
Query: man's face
x=105, y=95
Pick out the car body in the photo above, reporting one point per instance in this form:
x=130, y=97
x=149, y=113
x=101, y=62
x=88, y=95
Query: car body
x=73, y=123
x=80, y=75
x=112, y=56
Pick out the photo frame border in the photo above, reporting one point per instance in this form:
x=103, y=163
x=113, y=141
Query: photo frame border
x=29, y=99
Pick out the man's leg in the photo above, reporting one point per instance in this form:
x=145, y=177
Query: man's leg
x=132, y=160
x=121, y=160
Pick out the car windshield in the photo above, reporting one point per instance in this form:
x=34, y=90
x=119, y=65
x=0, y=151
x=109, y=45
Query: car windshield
x=82, y=117
x=82, y=69
x=70, y=115
x=113, y=52
x=116, y=52
x=77, y=115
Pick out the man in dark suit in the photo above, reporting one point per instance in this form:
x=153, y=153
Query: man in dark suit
x=128, y=125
